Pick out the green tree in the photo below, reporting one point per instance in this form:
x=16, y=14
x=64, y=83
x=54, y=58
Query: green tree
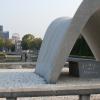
x=26, y=41
x=1, y=43
x=37, y=42
x=9, y=44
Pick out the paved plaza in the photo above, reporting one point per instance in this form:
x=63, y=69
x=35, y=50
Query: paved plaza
x=20, y=78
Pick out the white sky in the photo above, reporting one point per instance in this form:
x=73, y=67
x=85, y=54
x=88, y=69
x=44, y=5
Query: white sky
x=34, y=16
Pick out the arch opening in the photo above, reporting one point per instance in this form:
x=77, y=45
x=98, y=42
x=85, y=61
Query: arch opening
x=81, y=49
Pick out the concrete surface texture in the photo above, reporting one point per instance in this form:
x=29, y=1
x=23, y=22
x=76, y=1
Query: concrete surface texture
x=93, y=97
x=61, y=36
x=17, y=78
x=26, y=78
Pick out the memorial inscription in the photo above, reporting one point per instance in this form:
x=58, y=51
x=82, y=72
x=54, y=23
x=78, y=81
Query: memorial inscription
x=85, y=68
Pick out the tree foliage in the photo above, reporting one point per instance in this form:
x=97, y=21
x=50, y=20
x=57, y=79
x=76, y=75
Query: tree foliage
x=36, y=43
x=26, y=41
x=30, y=42
x=8, y=44
x=1, y=43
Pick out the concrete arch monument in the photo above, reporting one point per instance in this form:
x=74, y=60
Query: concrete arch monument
x=61, y=36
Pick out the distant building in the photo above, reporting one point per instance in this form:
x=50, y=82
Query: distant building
x=16, y=40
x=6, y=35
x=1, y=31
x=18, y=46
x=15, y=37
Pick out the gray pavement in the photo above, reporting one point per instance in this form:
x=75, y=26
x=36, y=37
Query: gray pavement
x=27, y=77
x=13, y=78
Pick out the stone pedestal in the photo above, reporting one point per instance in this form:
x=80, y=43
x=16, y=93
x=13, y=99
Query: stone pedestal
x=84, y=68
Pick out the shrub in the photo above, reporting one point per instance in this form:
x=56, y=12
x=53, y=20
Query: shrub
x=2, y=55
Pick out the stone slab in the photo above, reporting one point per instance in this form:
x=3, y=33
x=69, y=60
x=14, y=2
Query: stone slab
x=84, y=68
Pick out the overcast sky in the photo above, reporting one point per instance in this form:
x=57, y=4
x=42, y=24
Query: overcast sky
x=34, y=16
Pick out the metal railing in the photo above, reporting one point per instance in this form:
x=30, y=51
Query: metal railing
x=84, y=92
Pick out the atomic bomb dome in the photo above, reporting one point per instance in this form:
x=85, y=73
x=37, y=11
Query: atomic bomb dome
x=16, y=37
